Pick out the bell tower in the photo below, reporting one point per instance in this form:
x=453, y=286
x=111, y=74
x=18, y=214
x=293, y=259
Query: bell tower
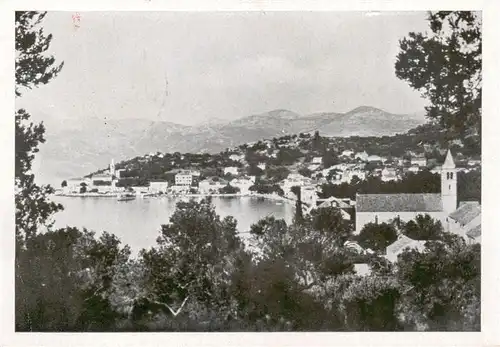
x=449, y=184
x=112, y=167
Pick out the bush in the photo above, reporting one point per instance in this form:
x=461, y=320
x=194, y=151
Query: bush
x=305, y=172
x=377, y=236
x=229, y=189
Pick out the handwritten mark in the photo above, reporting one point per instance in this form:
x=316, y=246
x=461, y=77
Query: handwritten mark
x=76, y=20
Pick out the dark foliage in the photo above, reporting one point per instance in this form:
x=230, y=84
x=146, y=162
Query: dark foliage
x=377, y=236
x=445, y=66
x=228, y=189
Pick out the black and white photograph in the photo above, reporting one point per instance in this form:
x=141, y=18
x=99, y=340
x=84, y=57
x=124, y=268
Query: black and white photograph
x=248, y=171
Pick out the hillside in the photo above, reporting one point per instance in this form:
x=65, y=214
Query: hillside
x=73, y=149
x=327, y=161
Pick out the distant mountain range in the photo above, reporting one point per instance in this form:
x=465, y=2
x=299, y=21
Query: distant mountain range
x=75, y=148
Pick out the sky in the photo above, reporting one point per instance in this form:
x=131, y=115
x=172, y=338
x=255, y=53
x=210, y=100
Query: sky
x=223, y=65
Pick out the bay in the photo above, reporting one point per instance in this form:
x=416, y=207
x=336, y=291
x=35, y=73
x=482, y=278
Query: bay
x=138, y=222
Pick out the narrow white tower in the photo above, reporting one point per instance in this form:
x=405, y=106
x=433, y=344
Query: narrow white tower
x=112, y=167
x=449, y=184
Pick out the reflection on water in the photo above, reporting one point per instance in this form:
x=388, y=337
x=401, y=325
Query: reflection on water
x=137, y=222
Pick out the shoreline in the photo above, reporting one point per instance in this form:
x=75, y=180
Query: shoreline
x=273, y=197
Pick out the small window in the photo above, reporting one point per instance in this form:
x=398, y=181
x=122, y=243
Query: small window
x=451, y=175
x=449, y=187
x=376, y=219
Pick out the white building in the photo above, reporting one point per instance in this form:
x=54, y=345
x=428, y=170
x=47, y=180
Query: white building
x=347, y=153
x=294, y=179
x=389, y=174
x=363, y=156
x=243, y=184
x=183, y=179
x=236, y=157
x=180, y=189
x=378, y=208
x=317, y=160
x=313, y=167
x=158, y=186
x=373, y=158
x=233, y=170
x=400, y=245
x=211, y=185
x=414, y=169
x=74, y=185
x=419, y=161
x=309, y=195
x=362, y=269
x=140, y=189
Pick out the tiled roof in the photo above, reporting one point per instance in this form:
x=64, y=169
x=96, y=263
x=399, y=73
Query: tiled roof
x=475, y=232
x=334, y=202
x=399, y=203
x=403, y=242
x=466, y=212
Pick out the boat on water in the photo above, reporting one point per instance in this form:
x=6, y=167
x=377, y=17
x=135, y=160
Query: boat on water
x=125, y=197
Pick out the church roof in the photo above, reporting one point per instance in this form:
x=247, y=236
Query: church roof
x=448, y=162
x=399, y=203
x=466, y=212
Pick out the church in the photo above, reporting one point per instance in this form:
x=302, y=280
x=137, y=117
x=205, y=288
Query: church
x=380, y=208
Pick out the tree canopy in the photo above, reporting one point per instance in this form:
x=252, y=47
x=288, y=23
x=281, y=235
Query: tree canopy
x=445, y=65
x=377, y=236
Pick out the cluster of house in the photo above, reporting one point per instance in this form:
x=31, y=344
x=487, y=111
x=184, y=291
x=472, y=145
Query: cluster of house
x=362, y=165
x=460, y=218
x=102, y=183
x=456, y=217
x=184, y=182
